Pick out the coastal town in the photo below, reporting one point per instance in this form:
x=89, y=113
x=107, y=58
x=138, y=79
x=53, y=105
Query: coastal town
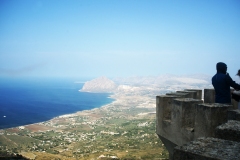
x=123, y=129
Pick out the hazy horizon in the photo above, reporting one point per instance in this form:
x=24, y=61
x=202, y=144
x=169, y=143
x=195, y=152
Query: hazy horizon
x=76, y=38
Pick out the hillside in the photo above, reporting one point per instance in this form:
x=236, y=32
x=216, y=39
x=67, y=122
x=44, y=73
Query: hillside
x=101, y=84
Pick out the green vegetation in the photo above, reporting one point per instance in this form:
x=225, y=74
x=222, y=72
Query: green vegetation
x=122, y=134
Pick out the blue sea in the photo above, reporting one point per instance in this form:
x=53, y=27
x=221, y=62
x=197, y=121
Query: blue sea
x=30, y=101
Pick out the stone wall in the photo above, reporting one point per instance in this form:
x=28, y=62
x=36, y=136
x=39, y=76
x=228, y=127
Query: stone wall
x=183, y=116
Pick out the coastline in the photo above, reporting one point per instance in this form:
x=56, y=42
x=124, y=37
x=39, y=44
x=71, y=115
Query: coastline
x=119, y=101
x=77, y=113
x=115, y=129
x=27, y=103
x=129, y=119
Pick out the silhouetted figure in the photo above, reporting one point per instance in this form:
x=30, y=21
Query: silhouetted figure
x=222, y=82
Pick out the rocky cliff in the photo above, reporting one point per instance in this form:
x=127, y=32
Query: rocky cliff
x=101, y=84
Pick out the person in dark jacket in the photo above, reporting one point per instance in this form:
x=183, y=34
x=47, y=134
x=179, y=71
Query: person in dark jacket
x=222, y=82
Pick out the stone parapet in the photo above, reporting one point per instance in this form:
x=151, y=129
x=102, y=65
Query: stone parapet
x=175, y=118
x=163, y=120
x=208, y=149
x=164, y=109
x=209, y=95
x=182, y=117
x=198, y=92
x=208, y=117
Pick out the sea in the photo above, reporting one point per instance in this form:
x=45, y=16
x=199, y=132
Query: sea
x=28, y=101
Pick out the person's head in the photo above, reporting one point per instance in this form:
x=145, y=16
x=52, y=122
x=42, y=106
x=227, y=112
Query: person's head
x=221, y=67
x=238, y=74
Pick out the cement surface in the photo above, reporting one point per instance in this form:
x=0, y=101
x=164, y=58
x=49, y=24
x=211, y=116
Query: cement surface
x=209, y=148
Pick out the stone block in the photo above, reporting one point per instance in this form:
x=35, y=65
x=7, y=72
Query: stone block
x=229, y=131
x=235, y=104
x=209, y=95
x=163, y=114
x=163, y=121
x=208, y=117
x=182, y=118
x=198, y=92
x=208, y=149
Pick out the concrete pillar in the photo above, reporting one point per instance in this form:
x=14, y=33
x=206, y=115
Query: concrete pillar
x=163, y=120
x=183, y=117
x=208, y=117
x=163, y=112
x=198, y=94
x=209, y=95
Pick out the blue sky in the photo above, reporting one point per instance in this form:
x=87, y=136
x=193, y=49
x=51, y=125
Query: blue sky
x=84, y=38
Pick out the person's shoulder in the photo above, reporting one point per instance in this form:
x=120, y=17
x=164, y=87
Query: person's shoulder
x=214, y=76
x=219, y=75
x=228, y=76
x=229, y=80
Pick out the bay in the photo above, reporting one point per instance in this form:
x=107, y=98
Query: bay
x=24, y=102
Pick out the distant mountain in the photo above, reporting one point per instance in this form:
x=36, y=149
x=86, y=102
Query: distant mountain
x=166, y=79
x=141, y=84
x=101, y=84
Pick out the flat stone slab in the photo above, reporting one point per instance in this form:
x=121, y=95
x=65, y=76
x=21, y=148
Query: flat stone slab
x=208, y=149
x=229, y=131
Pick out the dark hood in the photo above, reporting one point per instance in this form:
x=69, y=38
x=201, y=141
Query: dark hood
x=238, y=72
x=221, y=67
